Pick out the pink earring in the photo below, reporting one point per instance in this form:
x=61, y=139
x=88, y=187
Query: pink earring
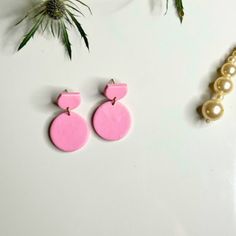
x=112, y=119
x=69, y=131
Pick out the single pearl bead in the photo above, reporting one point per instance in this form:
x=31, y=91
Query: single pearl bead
x=234, y=53
x=223, y=85
x=228, y=69
x=212, y=110
x=232, y=60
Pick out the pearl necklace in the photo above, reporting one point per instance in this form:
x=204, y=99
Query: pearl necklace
x=213, y=109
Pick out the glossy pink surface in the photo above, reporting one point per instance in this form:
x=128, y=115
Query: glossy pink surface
x=69, y=132
x=68, y=100
x=112, y=122
x=117, y=91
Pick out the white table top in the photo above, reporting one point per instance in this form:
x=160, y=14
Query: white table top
x=172, y=176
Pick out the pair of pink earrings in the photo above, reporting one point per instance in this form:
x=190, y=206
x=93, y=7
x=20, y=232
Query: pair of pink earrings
x=111, y=120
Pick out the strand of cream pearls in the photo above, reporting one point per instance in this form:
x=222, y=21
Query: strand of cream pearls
x=213, y=109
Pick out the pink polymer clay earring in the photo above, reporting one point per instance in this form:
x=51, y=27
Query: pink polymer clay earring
x=69, y=131
x=112, y=119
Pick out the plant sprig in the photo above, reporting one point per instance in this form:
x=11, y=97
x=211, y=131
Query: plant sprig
x=179, y=8
x=56, y=16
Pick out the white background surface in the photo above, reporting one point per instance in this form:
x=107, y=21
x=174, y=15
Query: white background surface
x=172, y=176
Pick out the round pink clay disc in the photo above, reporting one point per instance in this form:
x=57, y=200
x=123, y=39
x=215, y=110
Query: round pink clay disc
x=112, y=122
x=69, y=132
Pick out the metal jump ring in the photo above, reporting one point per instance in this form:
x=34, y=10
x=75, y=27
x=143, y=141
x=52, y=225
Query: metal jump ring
x=68, y=111
x=113, y=102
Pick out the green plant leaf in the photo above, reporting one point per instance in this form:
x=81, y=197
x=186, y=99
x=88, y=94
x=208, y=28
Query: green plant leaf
x=34, y=9
x=22, y=19
x=80, y=29
x=167, y=6
x=52, y=28
x=180, y=9
x=75, y=9
x=58, y=29
x=46, y=24
x=31, y=33
x=68, y=20
x=82, y=3
x=65, y=39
